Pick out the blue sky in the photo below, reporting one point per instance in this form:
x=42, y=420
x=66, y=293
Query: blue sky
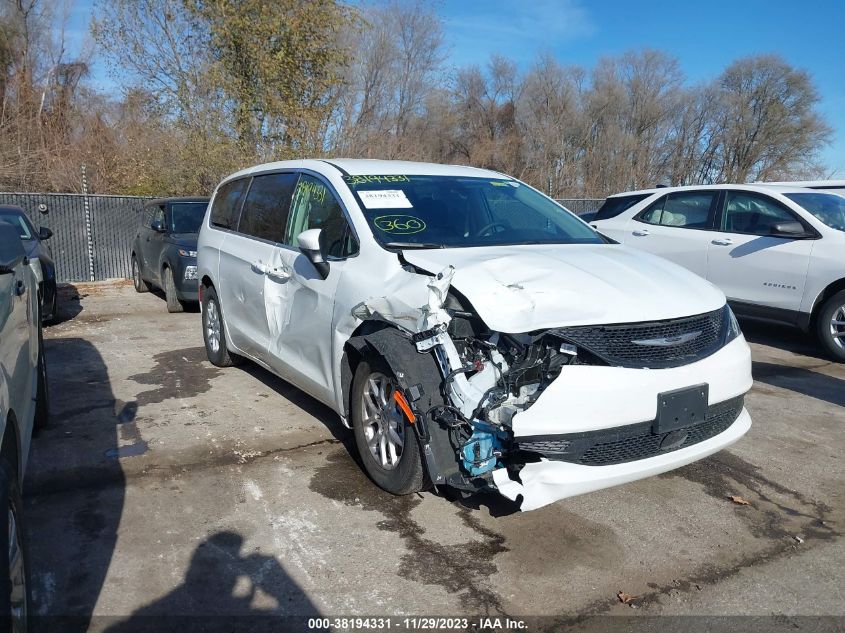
x=705, y=37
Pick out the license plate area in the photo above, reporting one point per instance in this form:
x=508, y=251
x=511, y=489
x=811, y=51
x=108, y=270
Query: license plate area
x=681, y=408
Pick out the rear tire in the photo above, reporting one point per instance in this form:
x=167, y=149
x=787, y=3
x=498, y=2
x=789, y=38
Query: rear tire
x=214, y=331
x=15, y=604
x=830, y=326
x=42, y=398
x=173, y=303
x=378, y=423
x=137, y=280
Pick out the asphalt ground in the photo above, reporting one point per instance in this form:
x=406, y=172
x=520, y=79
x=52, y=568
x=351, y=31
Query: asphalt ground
x=166, y=486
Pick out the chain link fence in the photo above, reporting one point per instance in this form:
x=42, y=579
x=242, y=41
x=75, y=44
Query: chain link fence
x=92, y=235
x=580, y=206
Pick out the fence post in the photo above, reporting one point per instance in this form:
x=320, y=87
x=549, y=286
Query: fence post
x=88, y=236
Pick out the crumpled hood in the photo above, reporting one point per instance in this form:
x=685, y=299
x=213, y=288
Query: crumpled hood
x=524, y=288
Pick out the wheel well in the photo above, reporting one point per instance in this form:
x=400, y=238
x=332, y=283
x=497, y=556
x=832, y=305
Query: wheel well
x=828, y=292
x=10, y=445
x=206, y=281
x=353, y=353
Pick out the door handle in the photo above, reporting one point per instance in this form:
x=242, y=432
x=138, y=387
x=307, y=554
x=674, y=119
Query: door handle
x=20, y=288
x=641, y=232
x=720, y=241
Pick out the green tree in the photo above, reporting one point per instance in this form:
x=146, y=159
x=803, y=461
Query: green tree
x=279, y=64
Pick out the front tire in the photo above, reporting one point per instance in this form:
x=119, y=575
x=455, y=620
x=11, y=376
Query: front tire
x=53, y=315
x=214, y=332
x=830, y=326
x=173, y=303
x=15, y=605
x=386, y=442
x=42, y=397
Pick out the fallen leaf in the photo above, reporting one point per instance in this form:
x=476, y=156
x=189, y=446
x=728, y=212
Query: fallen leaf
x=626, y=598
x=739, y=500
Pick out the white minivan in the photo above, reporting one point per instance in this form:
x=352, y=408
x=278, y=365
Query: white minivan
x=776, y=251
x=472, y=332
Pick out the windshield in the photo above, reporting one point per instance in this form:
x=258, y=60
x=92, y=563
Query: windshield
x=827, y=207
x=186, y=217
x=25, y=230
x=452, y=211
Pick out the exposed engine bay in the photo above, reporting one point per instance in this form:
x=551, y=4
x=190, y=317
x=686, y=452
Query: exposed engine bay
x=484, y=379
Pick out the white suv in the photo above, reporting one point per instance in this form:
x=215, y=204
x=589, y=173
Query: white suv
x=775, y=251
x=471, y=331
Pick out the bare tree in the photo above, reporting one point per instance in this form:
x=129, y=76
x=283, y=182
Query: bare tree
x=766, y=126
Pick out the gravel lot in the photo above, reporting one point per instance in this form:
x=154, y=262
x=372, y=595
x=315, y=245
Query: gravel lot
x=168, y=486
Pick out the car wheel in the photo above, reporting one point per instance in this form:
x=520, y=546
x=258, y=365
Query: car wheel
x=173, y=303
x=830, y=325
x=42, y=397
x=386, y=442
x=15, y=606
x=137, y=280
x=52, y=316
x=213, y=332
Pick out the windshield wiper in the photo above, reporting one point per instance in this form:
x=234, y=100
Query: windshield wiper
x=412, y=245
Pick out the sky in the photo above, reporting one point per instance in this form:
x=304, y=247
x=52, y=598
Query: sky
x=704, y=36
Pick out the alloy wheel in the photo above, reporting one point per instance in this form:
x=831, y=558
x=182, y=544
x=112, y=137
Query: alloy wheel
x=837, y=327
x=384, y=424
x=212, y=326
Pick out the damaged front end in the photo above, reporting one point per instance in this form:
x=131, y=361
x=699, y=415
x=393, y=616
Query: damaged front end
x=491, y=412
x=461, y=383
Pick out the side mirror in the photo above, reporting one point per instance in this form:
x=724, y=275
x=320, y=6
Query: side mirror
x=44, y=233
x=12, y=252
x=157, y=226
x=792, y=229
x=309, y=244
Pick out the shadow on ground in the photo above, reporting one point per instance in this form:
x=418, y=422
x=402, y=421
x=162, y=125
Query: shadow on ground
x=800, y=380
x=782, y=337
x=74, y=491
x=69, y=303
x=226, y=589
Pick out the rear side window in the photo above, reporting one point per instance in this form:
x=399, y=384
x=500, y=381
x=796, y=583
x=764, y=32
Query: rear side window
x=227, y=202
x=617, y=205
x=315, y=207
x=685, y=209
x=753, y=213
x=265, y=211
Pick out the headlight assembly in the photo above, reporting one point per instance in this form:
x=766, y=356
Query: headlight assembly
x=731, y=325
x=184, y=253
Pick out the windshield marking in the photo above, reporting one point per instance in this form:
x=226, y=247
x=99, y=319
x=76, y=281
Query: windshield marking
x=399, y=224
x=363, y=180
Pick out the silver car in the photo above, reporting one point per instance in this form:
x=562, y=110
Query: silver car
x=23, y=405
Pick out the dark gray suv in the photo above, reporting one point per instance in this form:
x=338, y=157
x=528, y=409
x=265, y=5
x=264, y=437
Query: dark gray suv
x=164, y=252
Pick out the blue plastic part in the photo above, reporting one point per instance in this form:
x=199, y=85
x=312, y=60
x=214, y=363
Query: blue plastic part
x=479, y=452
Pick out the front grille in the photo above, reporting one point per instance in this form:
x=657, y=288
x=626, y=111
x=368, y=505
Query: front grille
x=633, y=442
x=660, y=344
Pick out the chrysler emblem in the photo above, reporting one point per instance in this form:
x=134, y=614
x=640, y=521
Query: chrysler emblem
x=668, y=341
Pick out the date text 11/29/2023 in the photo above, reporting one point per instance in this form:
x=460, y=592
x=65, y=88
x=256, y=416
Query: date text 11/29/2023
x=423, y=623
